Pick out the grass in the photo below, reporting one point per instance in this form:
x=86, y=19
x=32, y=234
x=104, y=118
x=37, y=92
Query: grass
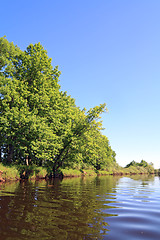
x=71, y=172
x=105, y=172
x=90, y=172
x=39, y=173
x=13, y=172
x=68, y=172
x=8, y=172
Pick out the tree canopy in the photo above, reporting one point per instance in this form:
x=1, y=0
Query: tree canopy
x=40, y=124
x=142, y=167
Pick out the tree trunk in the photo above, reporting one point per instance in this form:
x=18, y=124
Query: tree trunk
x=10, y=153
x=27, y=162
x=0, y=154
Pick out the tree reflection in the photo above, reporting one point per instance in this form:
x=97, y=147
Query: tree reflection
x=68, y=209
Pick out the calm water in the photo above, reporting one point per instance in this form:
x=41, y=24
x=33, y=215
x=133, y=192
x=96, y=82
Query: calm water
x=89, y=208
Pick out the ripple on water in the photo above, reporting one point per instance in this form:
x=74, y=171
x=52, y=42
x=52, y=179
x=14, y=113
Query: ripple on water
x=136, y=213
x=89, y=208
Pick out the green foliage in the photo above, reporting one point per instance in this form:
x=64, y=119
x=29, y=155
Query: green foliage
x=41, y=125
x=9, y=172
x=71, y=172
x=133, y=163
x=139, y=168
x=31, y=171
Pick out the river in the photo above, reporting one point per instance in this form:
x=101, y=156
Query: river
x=107, y=207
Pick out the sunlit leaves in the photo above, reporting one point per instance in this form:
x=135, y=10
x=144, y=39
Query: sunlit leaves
x=40, y=122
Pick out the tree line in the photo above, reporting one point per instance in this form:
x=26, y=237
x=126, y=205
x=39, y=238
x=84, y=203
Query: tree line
x=39, y=123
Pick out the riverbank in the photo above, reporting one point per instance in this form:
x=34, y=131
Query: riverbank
x=14, y=173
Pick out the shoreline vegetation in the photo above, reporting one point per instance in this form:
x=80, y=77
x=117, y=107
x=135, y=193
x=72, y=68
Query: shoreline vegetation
x=43, y=134
x=16, y=173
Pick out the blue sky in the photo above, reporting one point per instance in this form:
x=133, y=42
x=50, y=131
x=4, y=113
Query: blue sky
x=108, y=51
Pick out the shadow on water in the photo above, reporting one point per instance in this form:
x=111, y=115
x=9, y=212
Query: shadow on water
x=79, y=208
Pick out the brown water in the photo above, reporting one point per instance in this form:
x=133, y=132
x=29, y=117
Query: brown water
x=81, y=208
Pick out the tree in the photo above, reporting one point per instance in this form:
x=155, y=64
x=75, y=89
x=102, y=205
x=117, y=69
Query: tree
x=81, y=123
x=7, y=96
x=38, y=122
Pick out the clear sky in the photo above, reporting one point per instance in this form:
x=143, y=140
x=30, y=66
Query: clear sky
x=108, y=51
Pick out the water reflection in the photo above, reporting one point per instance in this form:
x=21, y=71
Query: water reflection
x=81, y=208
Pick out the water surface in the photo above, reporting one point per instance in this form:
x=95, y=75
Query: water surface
x=81, y=208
